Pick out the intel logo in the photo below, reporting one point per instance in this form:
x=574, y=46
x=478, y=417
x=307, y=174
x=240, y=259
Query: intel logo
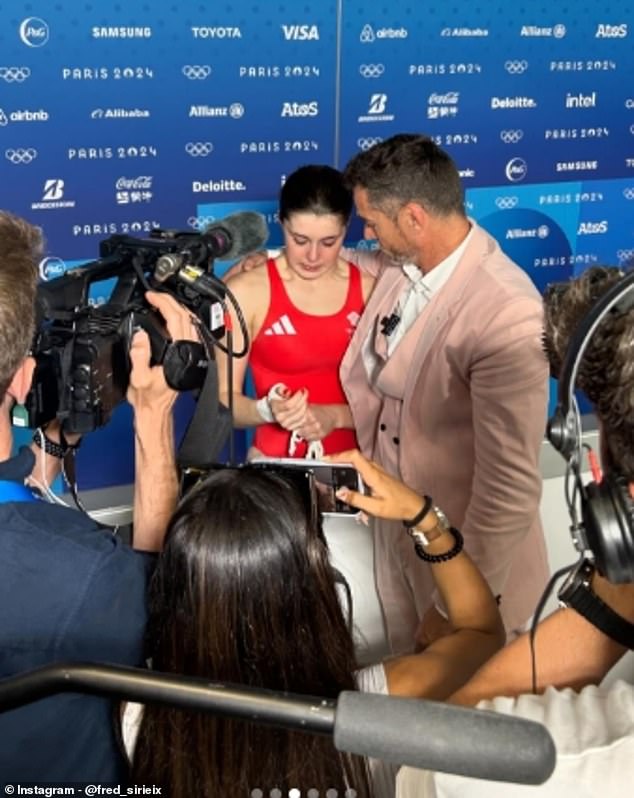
x=516, y=170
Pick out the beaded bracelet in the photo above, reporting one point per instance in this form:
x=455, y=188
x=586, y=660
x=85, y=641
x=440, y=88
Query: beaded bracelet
x=448, y=555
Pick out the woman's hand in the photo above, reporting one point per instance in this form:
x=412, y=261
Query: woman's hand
x=290, y=411
x=388, y=498
x=319, y=421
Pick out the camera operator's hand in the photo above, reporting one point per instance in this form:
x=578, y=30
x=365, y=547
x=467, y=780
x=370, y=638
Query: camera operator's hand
x=156, y=478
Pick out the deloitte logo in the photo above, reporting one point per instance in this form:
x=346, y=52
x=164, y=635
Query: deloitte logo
x=34, y=32
x=516, y=170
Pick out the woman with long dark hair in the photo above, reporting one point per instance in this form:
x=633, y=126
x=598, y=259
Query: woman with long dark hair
x=244, y=592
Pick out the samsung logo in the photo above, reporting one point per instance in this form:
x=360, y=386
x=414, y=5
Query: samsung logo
x=121, y=32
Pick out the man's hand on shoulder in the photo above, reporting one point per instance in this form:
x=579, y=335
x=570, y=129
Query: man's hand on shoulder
x=247, y=264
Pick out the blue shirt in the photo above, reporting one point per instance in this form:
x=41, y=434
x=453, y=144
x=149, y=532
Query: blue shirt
x=69, y=591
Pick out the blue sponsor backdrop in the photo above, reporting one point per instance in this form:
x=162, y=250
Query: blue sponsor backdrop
x=119, y=118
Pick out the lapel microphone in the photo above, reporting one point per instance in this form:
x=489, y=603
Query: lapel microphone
x=389, y=323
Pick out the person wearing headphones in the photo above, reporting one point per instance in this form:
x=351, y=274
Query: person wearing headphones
x=576, y=646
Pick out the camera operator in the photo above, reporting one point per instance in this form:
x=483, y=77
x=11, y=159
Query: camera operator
x=69, y=589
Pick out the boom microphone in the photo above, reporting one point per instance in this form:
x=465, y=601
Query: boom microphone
x=405, y=731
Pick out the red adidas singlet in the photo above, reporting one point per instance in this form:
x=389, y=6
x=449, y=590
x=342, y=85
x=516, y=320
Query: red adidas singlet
x=303, y=351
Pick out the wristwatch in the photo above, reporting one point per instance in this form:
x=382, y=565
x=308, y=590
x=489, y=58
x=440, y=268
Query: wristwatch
x=442, y=525
x=577, y=593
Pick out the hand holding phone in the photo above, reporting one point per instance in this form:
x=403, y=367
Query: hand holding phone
x=329, y=478
x=388, y=497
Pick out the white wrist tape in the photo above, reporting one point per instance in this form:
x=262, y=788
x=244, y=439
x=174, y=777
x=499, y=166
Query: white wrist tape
x=263, y=405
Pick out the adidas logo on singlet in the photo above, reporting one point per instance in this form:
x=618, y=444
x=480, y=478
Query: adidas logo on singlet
x=283, y=326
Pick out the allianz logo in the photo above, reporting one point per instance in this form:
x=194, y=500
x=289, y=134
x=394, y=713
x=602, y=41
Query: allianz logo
x=214, y=32
x=513, y=102
x=450, y=98
x=300, y=32
x=543, y=231
x=235, y=110
x=592, y=228
x=556, y=31
x=23, y=116
x=581, y=100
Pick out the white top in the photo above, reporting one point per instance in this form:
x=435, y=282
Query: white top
x=369, y=680
x=593, y=732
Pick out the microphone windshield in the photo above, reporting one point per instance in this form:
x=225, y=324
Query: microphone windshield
x=236, y=235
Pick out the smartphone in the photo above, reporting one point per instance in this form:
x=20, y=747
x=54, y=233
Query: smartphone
x=329, y=477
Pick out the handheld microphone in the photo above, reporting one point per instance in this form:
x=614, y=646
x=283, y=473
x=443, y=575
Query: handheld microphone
x=405, y=731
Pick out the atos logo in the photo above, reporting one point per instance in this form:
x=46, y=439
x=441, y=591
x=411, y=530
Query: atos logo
x=516, y=170
x=51, y=267
x=592, y=228
x=604, y=31
x=300, y=109
x=34, y=32
x=300, y=32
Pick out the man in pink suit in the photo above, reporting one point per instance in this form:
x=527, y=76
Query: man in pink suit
x=447, y=384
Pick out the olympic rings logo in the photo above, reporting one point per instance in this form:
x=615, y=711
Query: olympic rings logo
x=196, y=71
x=371, y=70
x=199, y=149
x=200, y=222
x=506, y=203
x=365, y=143
x=15, y=74
x=625, y=254
x=516, y=67
x=21, y=155
x=511, y=136
x=628, y=193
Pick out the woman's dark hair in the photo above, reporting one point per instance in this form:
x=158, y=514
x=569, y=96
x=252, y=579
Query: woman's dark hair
x=244, y=593
x=606, y=371
x=317, y=189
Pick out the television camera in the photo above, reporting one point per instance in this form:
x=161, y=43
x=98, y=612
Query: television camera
x=81, y=349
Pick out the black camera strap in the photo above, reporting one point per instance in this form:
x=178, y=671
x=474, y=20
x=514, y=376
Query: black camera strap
x=209, y=427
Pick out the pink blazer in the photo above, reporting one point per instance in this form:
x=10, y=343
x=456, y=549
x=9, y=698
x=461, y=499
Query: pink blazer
x=473, y=413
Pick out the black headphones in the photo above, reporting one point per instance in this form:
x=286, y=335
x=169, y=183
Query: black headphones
x=607, y=509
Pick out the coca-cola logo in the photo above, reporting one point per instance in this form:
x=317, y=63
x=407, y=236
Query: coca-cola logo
x=450, y=98
x=134, y=183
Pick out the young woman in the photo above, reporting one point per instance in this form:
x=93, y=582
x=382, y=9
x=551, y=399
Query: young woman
x=301, y=310
x=244, y=592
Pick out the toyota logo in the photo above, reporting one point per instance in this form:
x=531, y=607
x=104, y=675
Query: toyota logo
x=628, y=193
x=196, y=71
x=200, y=222
x=511, y=136
x=516, y=67
x=371, y=70
x=199, y=149
x=21, y=155
x=365, y=143
x=15, y=74
x=506, y=203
